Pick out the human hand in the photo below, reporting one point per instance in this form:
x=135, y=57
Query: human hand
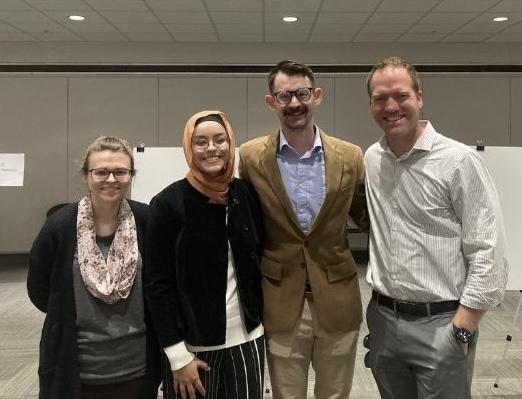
x=187, y=381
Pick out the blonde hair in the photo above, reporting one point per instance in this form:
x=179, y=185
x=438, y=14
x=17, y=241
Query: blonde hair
x=107, y=143
x=394, y=62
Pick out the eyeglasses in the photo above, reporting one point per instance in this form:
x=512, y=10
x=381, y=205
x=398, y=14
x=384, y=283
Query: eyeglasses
x=121, y=175
x=202, y=143
x=302, y=94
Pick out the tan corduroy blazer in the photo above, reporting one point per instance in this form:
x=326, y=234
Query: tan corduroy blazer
x=324, y=252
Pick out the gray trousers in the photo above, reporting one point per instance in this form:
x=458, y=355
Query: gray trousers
x=415, y=357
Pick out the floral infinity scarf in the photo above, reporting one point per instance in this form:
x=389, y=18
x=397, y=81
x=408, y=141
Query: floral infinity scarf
x=109, y=280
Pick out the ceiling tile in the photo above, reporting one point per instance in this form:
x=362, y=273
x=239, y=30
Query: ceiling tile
x=342, y=29
x=104, y=37
x=507, y=6
x=17, y=37
x=5, y=28
x=221, y=17
x=394, y=17
x=14, y=5
x=464, y=5
x=467, y=37
x=91, y=27
x=433, y=28
x=349, y=5
x=149, y=37
x=448, y=18
x=190, y=28
x=342, y=18
x=506, y=37
x=480, y=28
x=68, y=5
x=148, y=28
x=184, y=17
x=243, y=37
x=40, y=28
x=240, y=28
x=375, y=37
x=117, y=5
x=235, y=5
x=176, y=5
x=196, y=37
x=385, y=28
x=330, y=37
x=271, y=37
x=122, y=17
x=292, y=5
x=421, y=37
x=24, y=16
x=57, y=37
x=290, y=30
x=409, y=5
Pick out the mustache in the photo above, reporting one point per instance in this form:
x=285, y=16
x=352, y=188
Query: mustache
x=301, y=109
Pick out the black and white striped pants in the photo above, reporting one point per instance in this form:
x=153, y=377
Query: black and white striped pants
x=235, y=373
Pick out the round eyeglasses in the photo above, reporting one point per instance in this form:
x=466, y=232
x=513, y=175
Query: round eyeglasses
x=121, y=175
x=302, y=94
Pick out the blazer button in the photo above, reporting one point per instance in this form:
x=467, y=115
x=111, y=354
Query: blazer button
x=245, y=228
x=252, y=255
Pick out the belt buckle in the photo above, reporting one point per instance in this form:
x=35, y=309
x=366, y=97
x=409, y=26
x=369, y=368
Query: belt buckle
x=308, y=290
x=405, y=307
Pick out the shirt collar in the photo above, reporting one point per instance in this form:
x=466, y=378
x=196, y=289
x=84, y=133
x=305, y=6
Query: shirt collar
x=424, y=142
x=318, y=144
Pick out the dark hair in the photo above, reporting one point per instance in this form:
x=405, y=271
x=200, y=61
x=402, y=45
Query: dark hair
x=290, y=68
x=394, y=62
x=107, y=143
x=210, y=118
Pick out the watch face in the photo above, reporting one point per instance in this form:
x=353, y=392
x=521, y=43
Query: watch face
x=464, y=335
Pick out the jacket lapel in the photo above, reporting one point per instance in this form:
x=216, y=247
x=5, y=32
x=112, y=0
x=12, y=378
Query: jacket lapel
x=333, y=166
x=273, y=175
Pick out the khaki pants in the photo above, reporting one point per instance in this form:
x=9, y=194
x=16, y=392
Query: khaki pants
x=332, y=357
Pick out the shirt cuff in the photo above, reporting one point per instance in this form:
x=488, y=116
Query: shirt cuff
x=178, y=355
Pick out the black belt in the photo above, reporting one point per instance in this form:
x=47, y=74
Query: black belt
x=415, y=308
x=308, y=290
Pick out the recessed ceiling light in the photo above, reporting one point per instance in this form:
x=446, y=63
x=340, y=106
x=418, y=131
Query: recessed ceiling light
x=500, y=19
x=289, y=19
x=76, y=18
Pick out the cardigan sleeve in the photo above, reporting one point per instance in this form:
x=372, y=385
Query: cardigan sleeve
x=160, y=277
x=41, y=259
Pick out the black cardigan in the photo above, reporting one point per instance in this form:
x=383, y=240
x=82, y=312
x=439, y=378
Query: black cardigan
x=187, y=257
x=50, y=287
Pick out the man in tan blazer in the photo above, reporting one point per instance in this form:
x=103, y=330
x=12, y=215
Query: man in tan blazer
x=308, y=183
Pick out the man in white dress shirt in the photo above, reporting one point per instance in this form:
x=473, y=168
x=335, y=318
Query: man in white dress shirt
x=437, y=258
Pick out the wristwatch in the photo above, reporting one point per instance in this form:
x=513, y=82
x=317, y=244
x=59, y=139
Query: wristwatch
x=463, y=335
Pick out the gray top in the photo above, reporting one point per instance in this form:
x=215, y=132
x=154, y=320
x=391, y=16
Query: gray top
x=111, y=338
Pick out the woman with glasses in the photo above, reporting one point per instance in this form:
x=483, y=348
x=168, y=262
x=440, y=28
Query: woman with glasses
x=85, y=274
x=202, y=271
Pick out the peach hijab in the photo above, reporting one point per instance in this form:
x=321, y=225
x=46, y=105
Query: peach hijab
x=214, y=187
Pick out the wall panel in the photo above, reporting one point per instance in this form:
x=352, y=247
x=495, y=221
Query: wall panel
x=34, y=122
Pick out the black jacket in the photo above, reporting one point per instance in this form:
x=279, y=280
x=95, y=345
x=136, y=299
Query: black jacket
x=186, y=262
x=50, y=287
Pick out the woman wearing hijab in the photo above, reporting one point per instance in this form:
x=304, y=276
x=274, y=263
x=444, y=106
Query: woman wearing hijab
x=85, y=274
x=202, y=271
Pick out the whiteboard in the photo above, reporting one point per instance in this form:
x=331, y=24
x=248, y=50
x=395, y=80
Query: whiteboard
x=505, y=166
x=156, y=168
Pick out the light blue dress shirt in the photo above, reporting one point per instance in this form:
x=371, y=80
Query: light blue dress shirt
x=304, y=178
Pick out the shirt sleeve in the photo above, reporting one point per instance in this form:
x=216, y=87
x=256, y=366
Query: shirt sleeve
x=475, y=200
x=178, y=355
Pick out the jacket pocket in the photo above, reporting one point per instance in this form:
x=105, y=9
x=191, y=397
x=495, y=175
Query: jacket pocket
x=340, y=271
x=271, y=269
